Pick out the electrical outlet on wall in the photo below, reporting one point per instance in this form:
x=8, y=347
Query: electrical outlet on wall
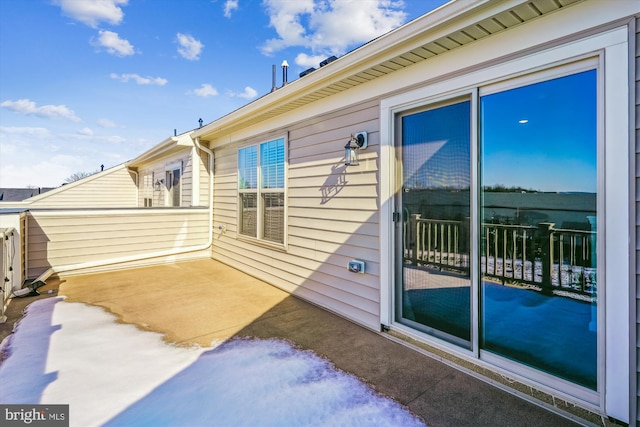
x=356, y=266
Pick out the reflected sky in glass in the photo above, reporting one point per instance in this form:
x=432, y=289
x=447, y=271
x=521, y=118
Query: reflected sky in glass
x=542, y=136
x=435, y=145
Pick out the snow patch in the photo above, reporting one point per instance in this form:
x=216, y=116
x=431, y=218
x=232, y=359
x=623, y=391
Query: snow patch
x=117, y=375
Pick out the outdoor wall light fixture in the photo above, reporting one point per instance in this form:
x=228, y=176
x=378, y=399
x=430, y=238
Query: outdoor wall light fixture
x=356, y=143
x=159, y=184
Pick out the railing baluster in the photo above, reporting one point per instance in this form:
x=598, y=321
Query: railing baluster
x=514, y=254
x=560, y=257
x=448, y=244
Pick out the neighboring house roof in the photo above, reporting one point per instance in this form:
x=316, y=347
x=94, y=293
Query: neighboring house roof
x=451, y=26
x=20, y=194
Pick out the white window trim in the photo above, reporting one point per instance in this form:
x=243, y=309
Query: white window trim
x=614, y=302
x=259, y=226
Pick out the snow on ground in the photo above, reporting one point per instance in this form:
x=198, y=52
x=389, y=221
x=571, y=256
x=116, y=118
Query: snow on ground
x=117, y=375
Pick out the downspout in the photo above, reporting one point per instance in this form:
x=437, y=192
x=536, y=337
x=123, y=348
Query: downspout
x=137, y=186
x=211, y=164
x=44, y=276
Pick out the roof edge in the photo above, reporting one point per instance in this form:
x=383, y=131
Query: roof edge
x=182, y=140
x=441, y=16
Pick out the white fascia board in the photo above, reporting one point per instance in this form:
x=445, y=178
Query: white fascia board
x=154, y=151
x=184, y=140
x=162, y=149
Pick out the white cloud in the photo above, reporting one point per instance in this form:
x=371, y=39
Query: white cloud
x=159, y=81
x=51, y=174
x=106, y=123
x=332, y=26
x=249, y=93
x=30, y=132
x=230, y=6
x=189, y=48
x=204, y=91
x=45, y=158
x=114, y=44
x=28, y=107
x=304, y=60
x=285, y=17
x=92, y=12
x=34, y=156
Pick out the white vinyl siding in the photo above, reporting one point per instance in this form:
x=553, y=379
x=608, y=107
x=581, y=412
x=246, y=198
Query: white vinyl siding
x=57, y=239
x=203, y=164
x=186, y=198
x=112, y=188
x=332, y=215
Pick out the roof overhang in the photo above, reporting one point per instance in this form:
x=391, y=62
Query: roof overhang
x=163, y=149
x=452, y=25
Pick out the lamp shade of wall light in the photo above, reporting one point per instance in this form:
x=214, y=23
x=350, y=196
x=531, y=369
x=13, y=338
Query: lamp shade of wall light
x=356, y=143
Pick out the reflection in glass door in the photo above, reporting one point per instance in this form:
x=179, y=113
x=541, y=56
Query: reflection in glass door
x=538, y=226
x=435, y=295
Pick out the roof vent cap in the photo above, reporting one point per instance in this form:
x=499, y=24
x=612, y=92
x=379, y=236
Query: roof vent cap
x=328, y=60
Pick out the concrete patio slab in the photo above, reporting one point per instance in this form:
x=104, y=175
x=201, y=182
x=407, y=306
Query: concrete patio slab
x=201, y=301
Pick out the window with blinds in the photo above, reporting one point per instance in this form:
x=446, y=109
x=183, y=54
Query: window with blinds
x=261, y=178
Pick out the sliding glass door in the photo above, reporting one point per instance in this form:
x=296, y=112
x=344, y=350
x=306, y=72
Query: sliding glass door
x=435, y=295
x=518, y=284
x=538, y=146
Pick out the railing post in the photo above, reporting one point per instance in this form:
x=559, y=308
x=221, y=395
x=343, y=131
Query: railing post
x=546, y=255
x=413, y=237
x=465, y=241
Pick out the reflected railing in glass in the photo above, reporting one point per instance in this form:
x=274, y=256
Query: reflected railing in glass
x=542, y=257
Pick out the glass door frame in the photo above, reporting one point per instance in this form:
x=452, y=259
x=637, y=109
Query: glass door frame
x=470, y=95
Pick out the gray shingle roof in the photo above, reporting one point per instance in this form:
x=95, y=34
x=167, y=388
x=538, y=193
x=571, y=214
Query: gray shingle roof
x=19, y=194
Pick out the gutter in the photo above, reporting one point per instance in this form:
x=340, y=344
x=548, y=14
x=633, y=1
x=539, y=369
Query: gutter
x=40, y=280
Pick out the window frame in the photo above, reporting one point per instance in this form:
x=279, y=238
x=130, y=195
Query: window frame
x=610, y=50
x=260, y=192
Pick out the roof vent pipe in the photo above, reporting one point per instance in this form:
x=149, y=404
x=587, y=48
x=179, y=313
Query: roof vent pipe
x=273, y=78
x=284, y=66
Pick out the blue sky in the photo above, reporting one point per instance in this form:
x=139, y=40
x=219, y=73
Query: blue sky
x=91, y=82
x=542, y=136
